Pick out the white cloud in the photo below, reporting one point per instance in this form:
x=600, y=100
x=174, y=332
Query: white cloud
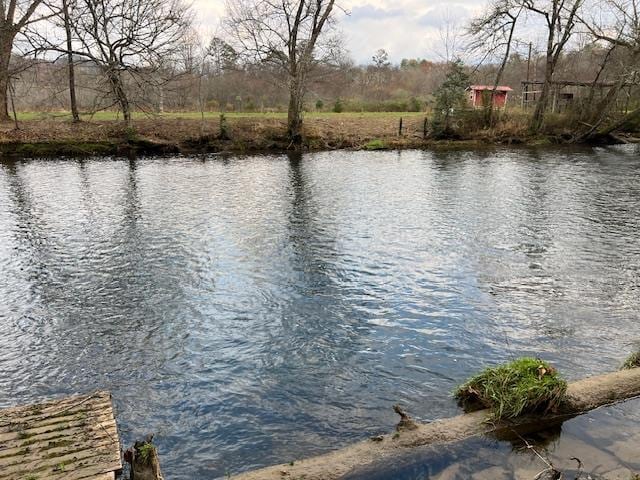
x=405, y=28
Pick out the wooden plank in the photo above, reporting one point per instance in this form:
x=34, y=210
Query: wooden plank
x=57, y=435
x=65, y=428
x=72, y=438
x=59, y=444
x=51, y=416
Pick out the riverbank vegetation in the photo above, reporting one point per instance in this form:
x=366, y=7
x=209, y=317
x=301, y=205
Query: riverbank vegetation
x=282, y=64
x=186, y=132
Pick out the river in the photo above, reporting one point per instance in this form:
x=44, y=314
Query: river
x=253, y=310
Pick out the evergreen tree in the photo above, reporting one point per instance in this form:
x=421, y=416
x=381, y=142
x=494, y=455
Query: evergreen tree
x=451, y=98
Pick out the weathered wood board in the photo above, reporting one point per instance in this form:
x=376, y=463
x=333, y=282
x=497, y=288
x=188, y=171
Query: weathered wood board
x=73, y=438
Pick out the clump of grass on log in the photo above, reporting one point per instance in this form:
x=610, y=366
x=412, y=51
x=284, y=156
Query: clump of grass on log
x=632, y=361
x=526, y=385
x=145, y=452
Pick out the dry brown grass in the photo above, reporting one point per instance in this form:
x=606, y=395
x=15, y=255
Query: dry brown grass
x=251, y=133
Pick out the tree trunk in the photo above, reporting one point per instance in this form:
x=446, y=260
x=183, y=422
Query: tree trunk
x=144, y=460
x=543, y=101
x=491, y=118
x=119, y=93
x=629, y=117
x=72, y=72
x=294, y=115
x=6, y=45
x=604, y=107
x=592, y=90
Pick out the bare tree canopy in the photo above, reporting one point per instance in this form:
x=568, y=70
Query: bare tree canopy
x=289, y=34
x=620, y=30
x=123, y=38
x=15, y=16
x=620, y=26
x=493, y=34
x=560, y=18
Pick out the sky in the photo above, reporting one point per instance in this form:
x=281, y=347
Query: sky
x=404, y=28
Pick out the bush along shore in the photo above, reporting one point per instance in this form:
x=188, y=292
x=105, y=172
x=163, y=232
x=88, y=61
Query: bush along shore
x=267, y=133
x=521, y=397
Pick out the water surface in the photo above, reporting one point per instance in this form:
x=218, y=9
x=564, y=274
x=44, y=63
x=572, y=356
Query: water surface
x=255, y=310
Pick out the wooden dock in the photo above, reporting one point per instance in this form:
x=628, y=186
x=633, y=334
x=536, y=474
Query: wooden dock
x=73, y=438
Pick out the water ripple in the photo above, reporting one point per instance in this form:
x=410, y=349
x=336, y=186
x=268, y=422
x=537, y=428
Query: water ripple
x=258, y=309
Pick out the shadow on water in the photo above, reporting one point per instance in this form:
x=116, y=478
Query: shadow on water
x=316, y=330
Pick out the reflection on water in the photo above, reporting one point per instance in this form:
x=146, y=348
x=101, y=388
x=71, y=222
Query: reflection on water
x=255, y=310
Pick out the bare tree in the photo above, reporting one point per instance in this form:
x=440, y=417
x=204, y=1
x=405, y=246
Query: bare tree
x=289, y=34
x=125, y=39
x=15, y=16
x=66, y=18
x=379, y=73
x=493, y=33
x=560, y=18
x=381, y=59
x=450, y=31
x=59, y=17
x=620, y=31
x=622, y=24
x=223, y=59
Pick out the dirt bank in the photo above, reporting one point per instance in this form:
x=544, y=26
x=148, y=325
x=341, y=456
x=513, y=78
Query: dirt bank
x=237, y=135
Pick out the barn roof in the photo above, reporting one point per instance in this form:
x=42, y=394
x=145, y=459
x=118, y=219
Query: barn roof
x=500, y=88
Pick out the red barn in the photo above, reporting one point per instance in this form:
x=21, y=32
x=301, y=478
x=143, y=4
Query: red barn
x=479, y=95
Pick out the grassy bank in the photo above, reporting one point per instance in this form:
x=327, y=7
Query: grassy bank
x=41, y=134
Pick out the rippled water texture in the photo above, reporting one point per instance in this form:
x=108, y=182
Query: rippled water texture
x=258, y=309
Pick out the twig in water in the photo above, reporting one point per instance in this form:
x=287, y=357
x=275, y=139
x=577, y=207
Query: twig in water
x=555, y=473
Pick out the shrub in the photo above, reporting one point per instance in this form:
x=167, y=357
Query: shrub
x=319, y=104
x=377, y=106
x=338, y=107
x=632, y=361
x=250, y=105
x=451, y=98
x=526, y=385
x=376, y=144
x=224, y=128
x=415, y=105
x=131, y=134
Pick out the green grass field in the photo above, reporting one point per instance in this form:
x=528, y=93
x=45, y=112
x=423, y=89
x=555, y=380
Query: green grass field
x=109, y=115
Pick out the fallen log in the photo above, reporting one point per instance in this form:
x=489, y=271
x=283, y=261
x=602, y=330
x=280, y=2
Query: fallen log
x=582, y=396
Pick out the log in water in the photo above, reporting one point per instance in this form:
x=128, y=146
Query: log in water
x=582, y=396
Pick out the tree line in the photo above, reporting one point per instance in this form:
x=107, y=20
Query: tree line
x=287, y=54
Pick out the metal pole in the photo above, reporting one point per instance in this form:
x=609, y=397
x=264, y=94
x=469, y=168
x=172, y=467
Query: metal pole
x=525, y=99
x=529, y=63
